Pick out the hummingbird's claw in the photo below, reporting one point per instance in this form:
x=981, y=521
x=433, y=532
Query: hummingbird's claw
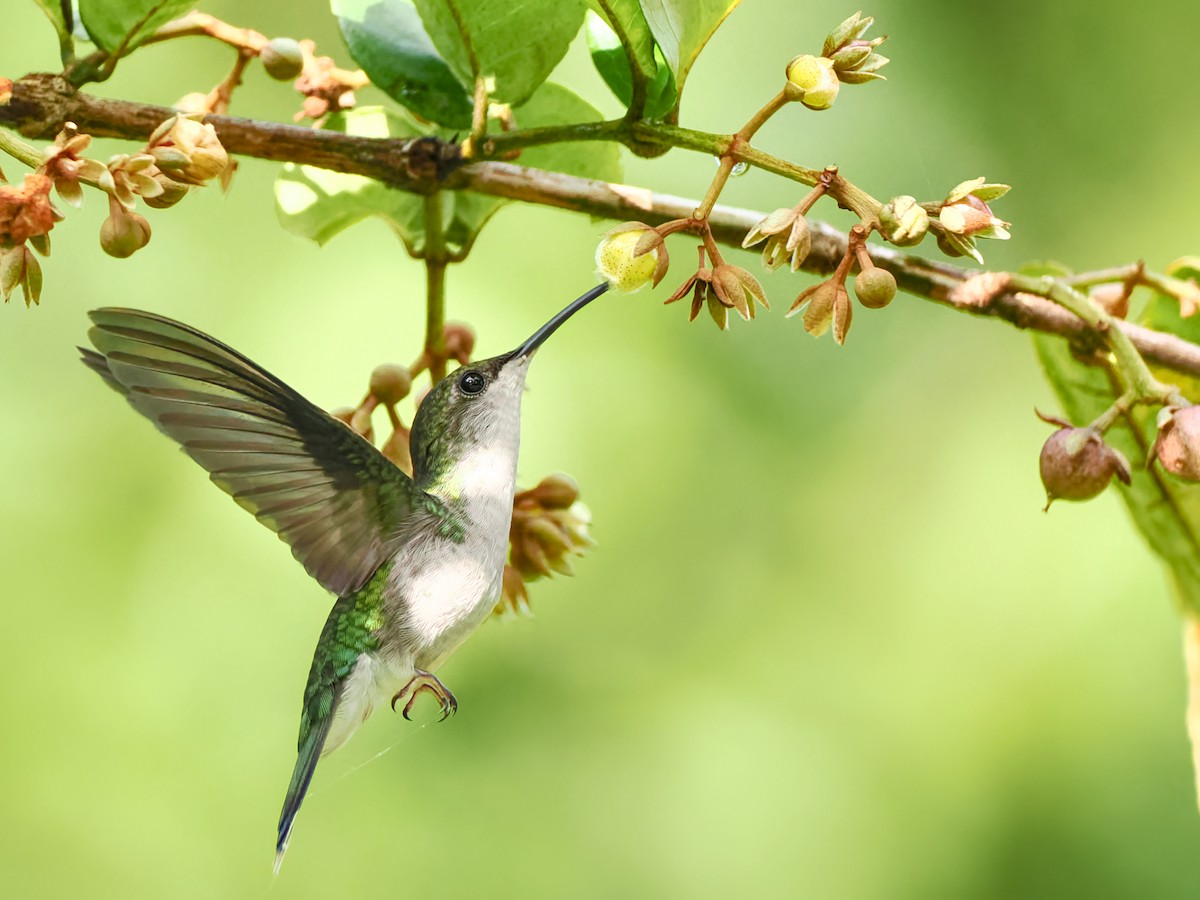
x=424, y=681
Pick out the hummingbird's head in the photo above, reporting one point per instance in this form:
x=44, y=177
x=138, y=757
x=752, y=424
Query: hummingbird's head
x=476, y=411
x=478, y=406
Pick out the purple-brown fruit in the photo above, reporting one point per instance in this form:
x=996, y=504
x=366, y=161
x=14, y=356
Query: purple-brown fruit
x=1178, y=445
x=1076, y=464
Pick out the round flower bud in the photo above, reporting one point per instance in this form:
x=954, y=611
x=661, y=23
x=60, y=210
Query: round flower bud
x=616, y=263
x=283, y=59
x=1076, y=464
x=903, y=221
x=815, y=76
x=875, y=288
x=390, y=383
x=123, y=233
x=1178, y=447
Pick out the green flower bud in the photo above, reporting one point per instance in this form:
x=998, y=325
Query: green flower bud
x=283, y=59
x=875, y=288
x=123, y=233
x=903, y=221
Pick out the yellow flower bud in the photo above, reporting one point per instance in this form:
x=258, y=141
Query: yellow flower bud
x=815, y=76
x=616, y=263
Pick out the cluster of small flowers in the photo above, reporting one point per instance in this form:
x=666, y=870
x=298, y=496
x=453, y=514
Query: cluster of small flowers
x=845, y=59
x=181, y=153
x=549, y=526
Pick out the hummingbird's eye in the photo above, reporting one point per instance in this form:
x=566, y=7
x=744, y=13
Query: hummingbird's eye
x=471, y=382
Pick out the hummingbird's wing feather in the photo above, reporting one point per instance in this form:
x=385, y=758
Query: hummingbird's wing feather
x=327, y=492
x=350, y=634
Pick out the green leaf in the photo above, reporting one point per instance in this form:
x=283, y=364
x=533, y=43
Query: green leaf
x=610, y=58
x=387, y=39
x=517, y=44
x=110, y=22
x=614, y=58
x=554, y=104
x=683, y=27
x=1165, y=509
x=53, y=11
x=1162, y=313
x=318, y=204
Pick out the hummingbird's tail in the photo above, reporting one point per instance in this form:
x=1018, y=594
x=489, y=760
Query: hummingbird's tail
x=344, y=649
x=306, y=764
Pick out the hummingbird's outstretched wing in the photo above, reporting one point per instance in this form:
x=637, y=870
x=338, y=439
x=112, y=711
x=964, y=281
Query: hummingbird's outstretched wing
x=327, y=492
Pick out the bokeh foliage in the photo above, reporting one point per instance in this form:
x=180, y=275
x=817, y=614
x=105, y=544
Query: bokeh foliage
x=827, y=646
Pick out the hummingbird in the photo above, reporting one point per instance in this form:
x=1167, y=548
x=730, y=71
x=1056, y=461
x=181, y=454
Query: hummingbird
x=415, y=563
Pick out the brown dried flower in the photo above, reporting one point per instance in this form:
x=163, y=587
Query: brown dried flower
x=828, y=303
x=26, y=210
x=549, y=525
x=326, y=88
x=721, y=288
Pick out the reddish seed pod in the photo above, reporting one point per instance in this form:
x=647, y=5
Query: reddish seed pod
x=1178, y=445
x=1076, y=464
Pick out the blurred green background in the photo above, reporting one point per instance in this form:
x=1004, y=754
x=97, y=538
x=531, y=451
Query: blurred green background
x=828, y=645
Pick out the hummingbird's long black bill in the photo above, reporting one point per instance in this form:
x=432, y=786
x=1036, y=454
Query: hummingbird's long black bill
x=539, y=336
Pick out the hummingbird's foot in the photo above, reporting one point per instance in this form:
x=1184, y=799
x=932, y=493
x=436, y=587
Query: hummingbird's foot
x=424, y=681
